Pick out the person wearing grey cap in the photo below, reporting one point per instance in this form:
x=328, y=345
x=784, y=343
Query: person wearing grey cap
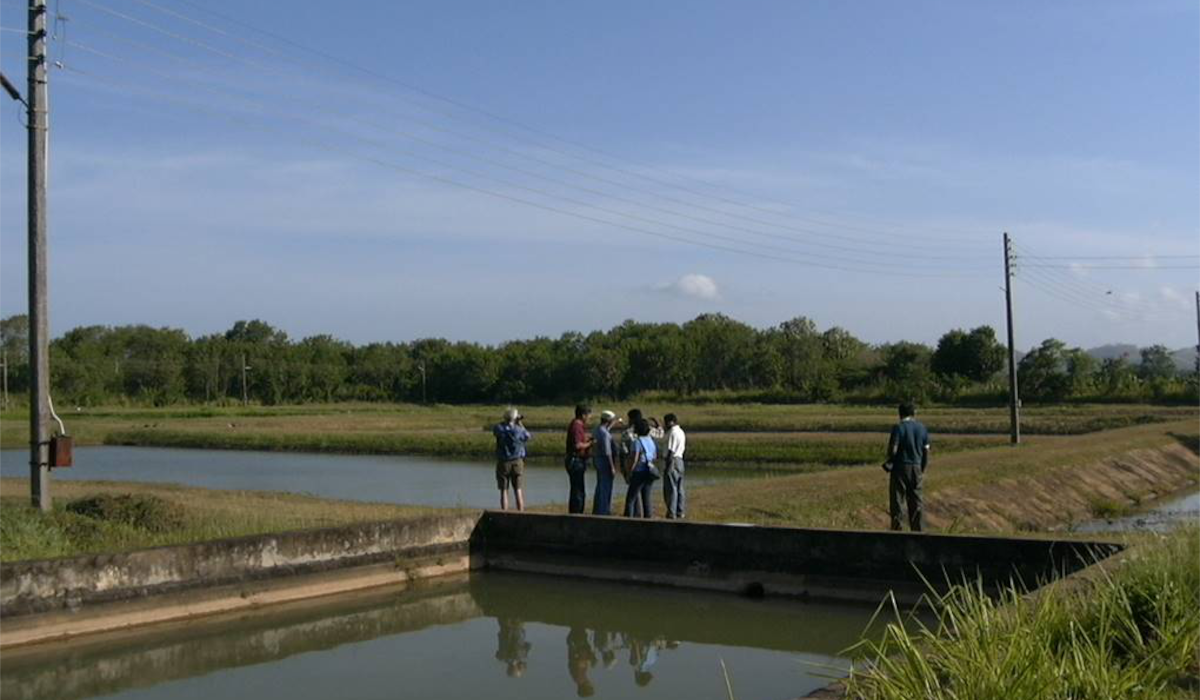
x=604, y=458
x=511, y=437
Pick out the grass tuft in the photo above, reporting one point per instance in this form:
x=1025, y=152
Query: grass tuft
x=1132, y=633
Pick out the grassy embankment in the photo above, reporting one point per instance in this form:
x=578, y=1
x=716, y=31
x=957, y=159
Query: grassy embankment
x=1127, y=630
x=160, y=515
x=1039, y=485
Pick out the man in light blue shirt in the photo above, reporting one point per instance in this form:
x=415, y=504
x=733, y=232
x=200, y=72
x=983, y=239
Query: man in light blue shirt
x=511, y=437
x=604, y=458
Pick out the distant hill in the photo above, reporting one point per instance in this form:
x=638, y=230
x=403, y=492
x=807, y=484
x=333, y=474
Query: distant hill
x=1185, y=358
x=1112, y=351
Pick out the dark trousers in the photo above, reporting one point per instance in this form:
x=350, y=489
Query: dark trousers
x=673, y=492
x=577, y=496
x=602, y=499
x=637, y=498
x=905, y=487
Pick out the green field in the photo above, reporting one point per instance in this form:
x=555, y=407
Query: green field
x=742, y=434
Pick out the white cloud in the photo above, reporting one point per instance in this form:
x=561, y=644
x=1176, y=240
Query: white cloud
x=693, y=286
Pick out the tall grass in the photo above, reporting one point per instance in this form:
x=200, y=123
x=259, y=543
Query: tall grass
x=1131, y=632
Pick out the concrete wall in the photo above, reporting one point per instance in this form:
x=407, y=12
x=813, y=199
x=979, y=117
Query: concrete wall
x=61, y=598
x=58, y=584
x=834, y=564
x=113, y=663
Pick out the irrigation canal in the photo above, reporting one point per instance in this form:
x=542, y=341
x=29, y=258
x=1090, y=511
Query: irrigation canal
x=410, y=480
x=496, y=635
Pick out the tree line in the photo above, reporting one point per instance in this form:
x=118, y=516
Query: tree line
x=792, y=362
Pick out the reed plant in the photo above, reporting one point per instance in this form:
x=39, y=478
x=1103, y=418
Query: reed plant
x=1130, y=630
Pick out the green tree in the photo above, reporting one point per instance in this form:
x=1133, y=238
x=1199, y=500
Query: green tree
x=14, y=342
x=1115, y=377
x=1157, y=364
x=1042, y=373
x=906, y=371
x=975, y=356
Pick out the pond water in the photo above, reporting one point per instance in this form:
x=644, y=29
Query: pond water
x=495, y=635
x=383, y=478
x=1159, y=518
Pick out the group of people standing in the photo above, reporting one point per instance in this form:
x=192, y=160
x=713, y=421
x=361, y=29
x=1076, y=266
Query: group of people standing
x=628, y=447
x=631, y=447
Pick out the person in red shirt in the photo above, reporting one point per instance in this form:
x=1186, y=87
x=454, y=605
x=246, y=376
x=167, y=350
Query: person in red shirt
x=579, y=448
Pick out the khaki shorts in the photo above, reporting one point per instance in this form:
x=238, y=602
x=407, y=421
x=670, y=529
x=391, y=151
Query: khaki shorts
x=510, y=472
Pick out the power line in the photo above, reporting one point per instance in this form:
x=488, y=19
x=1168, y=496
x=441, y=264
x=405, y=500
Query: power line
x=853, y=260
x=1142, y=268
x=719, y=212
x=1112, y=257
x=320, y=143
x=882, y=267
x=434, y=96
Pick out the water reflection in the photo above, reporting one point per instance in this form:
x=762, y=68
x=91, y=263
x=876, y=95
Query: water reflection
x=497, y=635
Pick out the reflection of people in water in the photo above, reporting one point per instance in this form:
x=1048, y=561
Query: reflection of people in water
x=606, y=646
x=643, y=654
x=580, y=658
x=511, y=647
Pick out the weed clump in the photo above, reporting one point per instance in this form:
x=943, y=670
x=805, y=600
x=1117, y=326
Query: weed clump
x=1132, y=634
x=142, y=511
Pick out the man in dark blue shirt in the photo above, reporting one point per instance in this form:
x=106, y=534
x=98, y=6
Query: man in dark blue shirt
x=907, y=458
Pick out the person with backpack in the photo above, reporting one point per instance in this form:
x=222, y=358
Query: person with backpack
x=511, y=437
x=907, y=459
x=643, y=472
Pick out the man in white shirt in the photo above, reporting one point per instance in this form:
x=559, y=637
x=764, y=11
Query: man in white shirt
x=673, y=478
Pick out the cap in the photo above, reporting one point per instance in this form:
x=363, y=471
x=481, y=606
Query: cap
x=607, y=415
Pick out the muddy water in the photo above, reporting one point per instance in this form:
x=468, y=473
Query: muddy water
x=495, y=636
x=395, y=479
x=1158, y=518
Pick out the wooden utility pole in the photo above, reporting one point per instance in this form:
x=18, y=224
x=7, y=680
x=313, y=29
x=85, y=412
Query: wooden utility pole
x=245, y=390
x=1014, y=410
x=38, y=125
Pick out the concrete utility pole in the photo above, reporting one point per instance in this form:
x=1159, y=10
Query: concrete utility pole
x=245, y=390
x=1014, y=410
x=1198, y=332
x=39, y=326
x=421, y=369
x=4, y=364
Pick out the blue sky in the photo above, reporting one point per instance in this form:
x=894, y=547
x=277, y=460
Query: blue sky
x=203, y=172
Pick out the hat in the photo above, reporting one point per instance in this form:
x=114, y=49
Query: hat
x=607, y=415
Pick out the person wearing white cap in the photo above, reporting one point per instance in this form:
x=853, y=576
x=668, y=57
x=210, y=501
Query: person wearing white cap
x=604, y=458
x=511, y=437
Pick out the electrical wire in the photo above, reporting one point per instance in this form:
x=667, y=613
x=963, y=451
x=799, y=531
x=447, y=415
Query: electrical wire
x=430, y=95
x=922, y=261
x=320, y=143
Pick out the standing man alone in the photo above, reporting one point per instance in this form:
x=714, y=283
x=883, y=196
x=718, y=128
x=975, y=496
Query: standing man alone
x=673, y=478
x=908, y=456
x=579, y=447
x=511, y=437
